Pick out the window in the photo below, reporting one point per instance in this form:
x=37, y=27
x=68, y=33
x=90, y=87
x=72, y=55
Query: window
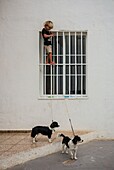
x=68, y=77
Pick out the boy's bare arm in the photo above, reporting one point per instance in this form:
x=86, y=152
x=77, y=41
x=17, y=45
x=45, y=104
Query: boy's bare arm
x=47, y=36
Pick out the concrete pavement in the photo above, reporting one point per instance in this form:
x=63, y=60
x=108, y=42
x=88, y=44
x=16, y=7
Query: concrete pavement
x=94, y=155
x=17, y=148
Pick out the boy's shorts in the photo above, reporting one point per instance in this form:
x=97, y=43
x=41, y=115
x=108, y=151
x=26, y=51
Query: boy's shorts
x=48, y=49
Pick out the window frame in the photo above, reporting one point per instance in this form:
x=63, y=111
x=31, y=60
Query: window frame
x=41, y=64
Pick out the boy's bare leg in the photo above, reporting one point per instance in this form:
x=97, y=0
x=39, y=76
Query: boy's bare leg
x=47, y=59
x=50, y=57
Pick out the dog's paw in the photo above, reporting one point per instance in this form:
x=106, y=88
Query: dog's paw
x=75, y=158
x=50, y=141
x=62, y=152
x=33, y=141
x=66, y=152
x=72, y=157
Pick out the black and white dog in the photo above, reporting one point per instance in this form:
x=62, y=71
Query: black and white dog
x=70, y=145
x=44, y=130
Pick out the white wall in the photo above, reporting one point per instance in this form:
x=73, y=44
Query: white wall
x=20, y=21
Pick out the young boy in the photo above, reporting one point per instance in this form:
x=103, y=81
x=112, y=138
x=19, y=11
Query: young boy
x=47, y=35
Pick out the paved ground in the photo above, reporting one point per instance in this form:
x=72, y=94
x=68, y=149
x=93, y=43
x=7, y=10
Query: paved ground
x=95, y=155
x=15, y=142
x=16, y=148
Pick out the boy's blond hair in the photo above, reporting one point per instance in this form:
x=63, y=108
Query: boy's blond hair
x=49, y=24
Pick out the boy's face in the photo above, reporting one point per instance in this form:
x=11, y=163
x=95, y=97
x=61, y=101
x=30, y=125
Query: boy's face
x=47, y=27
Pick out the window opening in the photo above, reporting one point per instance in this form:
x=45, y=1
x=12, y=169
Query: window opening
x=67, y=78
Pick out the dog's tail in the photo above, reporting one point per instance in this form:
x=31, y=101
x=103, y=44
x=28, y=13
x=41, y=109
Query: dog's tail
x=61, y=135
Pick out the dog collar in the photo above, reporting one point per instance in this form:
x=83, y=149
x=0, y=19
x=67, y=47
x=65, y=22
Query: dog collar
x=52, y=129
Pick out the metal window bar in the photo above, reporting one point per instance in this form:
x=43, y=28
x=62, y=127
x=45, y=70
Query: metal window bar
x=69, y=65
x=54, y=70
x=57, y=66
x=81, y=68
x=75, y=67
x=51, y=80
x=64, y=82
x=45, y=71
x=41, y=65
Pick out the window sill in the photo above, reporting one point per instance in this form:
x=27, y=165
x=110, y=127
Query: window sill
x=49, y=97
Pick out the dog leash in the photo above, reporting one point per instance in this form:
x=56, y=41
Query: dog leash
x=69, y=118
x=51, y=110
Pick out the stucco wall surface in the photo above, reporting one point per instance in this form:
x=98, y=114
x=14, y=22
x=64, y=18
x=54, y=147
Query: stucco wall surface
x=20, y=21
